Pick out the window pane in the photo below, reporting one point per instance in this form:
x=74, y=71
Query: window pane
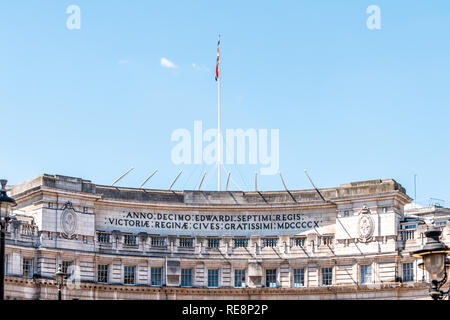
x=129, y=275
x=27, y=268
x=186, y=242
x=327, y=276
x=408, y=272
x=240, y=243
x=156, y=276
x=239, y=278
x=213, y=243
x=299, y=277
x=366, y=273
x=186, y=277
x=213, y=278
x=271, y=278
x=102, y=273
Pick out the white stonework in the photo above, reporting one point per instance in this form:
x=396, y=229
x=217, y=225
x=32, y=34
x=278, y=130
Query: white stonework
x=172, y=244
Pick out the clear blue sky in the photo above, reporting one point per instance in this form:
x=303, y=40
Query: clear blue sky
x=350, y=103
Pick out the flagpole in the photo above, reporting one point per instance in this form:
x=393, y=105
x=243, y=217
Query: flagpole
x=219, y=140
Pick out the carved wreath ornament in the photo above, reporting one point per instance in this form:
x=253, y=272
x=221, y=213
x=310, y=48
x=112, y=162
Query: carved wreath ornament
x=366, y=225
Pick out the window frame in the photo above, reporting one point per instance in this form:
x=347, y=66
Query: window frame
x=127, y=238
x=242, y=280
x=186, y=242
x=152, y=274
x=268, y=284
x=105, y=271
x=238, y=241
x=213, y=277
x=294, y=275
x=330, y=277
x=409, y=273
x=126, y=275
x=183, y=277
x=362, y=279
x=214, y=241
x=30, y=271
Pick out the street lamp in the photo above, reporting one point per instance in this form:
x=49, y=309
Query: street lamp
x=435, y=261
x=59, y=275
x=5, y=209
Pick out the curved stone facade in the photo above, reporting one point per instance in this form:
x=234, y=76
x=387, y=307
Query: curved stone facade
x=124, y=243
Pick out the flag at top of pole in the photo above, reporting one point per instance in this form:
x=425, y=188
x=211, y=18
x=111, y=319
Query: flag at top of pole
x=218, y=56
x=219, y=138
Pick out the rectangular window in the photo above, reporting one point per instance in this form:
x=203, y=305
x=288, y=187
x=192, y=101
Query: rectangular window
x=129, y=239
x=366, y=274
x=327, y=276
x=129, y=274
x=300, y=242
x=27, y=268
x=407, y=235
x=186, y=242
x=103, y=237
x=327, y=240
x=271, y=278
x=156, y=276
x=213, y=278
x=186, y=277
x=239, y=278
x=408, y=272
x=213, y=243
x=158, y=242
x=299, y=277
x=102, y=273
x=240, y=243
x=270, y=242
x=67, y=268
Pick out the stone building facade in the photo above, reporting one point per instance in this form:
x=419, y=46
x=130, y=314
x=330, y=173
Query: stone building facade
x=348, y=242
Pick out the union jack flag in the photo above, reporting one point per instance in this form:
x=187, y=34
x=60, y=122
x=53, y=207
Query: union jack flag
x=218, y=56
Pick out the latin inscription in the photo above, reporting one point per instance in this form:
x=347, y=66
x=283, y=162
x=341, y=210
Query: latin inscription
x=153, y=222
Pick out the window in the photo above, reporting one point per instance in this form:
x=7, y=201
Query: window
x=240, y=243
x=27, y=229
x=67, y=268
x=27, y=268
x=102, y=273
x=158, y=242
x=239, y=278
x=103, y=237
x=186, y=242
x=213, y=243
x=300, y=242
x=408, y=272
x=270, y=242
x=299, y=277
x=366, y=273
x=327, y=240
x=156, y=276
x=407, y=234
x=271, y=278
x=186, y=277
x=213, y=278
x=129, y=275
x=129, y=239
x=327, y=276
